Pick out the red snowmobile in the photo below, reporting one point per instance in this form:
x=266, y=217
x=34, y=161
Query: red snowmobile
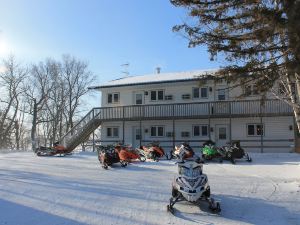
x=128, y=154
x=153, y=151
x=57, y=149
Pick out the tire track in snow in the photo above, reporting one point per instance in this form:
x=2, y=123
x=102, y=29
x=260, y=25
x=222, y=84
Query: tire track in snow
x=269, y=180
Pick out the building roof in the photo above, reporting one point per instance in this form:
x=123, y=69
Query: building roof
x=157, y=78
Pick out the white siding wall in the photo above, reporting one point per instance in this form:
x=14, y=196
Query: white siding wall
x=277, y=132
x=175, y=89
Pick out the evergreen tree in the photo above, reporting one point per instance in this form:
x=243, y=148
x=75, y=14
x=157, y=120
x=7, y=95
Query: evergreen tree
x=260, y=40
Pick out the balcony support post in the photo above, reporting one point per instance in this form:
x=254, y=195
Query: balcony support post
x=123, y=132
x=173, y=133
x=94, y=140
x=141, y=136
x=209, y=113
x=230, y=130
x=263, y=130
x=173, y=114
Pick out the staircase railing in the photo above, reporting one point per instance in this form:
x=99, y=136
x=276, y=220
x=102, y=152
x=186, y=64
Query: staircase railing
x=80, y=126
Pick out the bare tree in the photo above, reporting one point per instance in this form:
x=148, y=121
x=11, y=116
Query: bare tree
x=37, y=91
x=11, y=81
x=77, y=78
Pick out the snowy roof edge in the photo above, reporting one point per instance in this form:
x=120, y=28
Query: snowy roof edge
x=143, y=80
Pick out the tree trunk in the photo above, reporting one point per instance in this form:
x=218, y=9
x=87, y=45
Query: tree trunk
x=17, y=129
x=33, y=129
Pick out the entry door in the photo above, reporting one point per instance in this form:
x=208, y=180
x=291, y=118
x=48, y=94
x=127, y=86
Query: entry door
x=139, y=98
x=136, y=137
x=222, y=135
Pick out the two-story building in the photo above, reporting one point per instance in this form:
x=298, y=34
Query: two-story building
x=194, y=107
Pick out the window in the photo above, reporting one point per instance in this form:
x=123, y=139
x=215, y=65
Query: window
x=221, y=94
x=251, y=90
x=113, y=97
x=222, y=133
x=200, y=92
x=157, y=131
x=200, y=130
x=196, y=93
x=157, y=95
x=169, y=97
x=138, y=99
x=248, y=90
x=112, y=132
x=185, y=134
x=186, y=96
x=255, y=129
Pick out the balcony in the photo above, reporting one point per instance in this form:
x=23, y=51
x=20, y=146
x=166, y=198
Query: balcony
x=219, y=109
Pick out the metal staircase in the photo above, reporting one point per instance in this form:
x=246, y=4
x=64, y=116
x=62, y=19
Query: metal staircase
x=82, y=130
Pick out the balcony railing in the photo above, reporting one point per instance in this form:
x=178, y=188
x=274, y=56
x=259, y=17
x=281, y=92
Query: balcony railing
x=218, y=109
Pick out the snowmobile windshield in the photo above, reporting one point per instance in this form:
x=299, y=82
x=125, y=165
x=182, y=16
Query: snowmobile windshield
x=190, y=172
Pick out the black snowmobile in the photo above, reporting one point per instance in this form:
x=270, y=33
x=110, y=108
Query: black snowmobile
x=107, y=156
x=235, y=151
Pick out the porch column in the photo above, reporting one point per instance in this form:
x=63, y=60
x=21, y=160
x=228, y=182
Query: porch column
x=123, y=132
x=261, y=133
x=141, y=136
x=93, y=140
x=230, y=130
x=173, y=133
x=262, y=136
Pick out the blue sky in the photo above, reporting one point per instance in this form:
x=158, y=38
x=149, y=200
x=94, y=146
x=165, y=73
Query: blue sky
x=105, y=33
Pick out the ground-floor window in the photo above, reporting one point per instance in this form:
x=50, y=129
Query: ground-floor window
x=255, y=129
x=157, y=131
x=200, y=130
x=185, y=134
x=112, y=132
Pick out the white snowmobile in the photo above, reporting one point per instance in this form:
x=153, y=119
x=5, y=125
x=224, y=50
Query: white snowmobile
x=191, y=185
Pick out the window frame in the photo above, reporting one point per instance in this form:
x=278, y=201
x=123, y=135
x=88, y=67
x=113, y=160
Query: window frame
x=255, y=129
x=113, y=97
x=156, y=131
x=183, y=96
x=200, y=130
x=112, y=132
x=253, y=90
x=200, y=92
x=221, y=89
x=156, y=95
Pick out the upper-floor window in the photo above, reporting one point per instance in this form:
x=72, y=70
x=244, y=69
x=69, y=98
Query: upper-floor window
x=112, y=132
x=157, y=95
x=186, y=96
x=255, y=129
x=157, y=131
x=113, y=97
x=138, y=98
x=200, y=130
x=200, y=92
x=251, y=89
x=168, y=97
x=222, y=94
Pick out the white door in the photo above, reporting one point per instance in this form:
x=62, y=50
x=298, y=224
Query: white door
x=139, y=98
x=222, y=135
x=136, y=137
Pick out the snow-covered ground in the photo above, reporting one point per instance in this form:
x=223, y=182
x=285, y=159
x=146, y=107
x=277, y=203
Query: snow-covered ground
x=76, y=190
